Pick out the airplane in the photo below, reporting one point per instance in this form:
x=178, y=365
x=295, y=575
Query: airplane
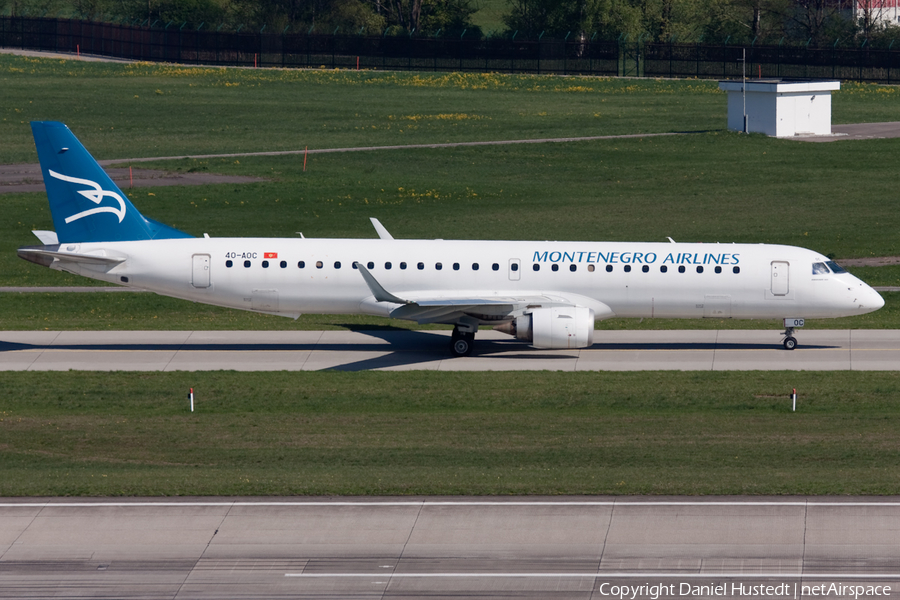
x=549, y=294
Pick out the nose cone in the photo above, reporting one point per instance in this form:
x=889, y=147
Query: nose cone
x=868, y=300
x=877, y=300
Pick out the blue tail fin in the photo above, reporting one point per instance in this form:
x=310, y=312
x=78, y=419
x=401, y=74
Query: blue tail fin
x=85, y=203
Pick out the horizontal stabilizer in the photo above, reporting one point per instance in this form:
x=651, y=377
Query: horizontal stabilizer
x=45, y=255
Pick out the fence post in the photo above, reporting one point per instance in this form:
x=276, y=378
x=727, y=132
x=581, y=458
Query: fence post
x=834, y=58
x=540, y=45
x=890, y=61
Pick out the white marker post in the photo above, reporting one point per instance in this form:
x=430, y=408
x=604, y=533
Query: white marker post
x=793, y=398
x=191, y=396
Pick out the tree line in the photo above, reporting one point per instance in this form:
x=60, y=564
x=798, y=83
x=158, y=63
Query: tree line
x=810, y=22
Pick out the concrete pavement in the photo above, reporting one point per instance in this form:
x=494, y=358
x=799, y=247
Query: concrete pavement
x=397, y=349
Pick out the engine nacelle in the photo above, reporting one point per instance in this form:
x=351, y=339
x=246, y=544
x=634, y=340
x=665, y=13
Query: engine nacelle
x=558, y=327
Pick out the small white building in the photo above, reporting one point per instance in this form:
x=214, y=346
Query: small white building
x=780, y=108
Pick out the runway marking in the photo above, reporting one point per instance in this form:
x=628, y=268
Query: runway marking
x=617, y=503
x=617, y=575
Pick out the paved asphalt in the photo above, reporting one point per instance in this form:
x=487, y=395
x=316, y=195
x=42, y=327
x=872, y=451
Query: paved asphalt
x=564, y=547
x=396, y=349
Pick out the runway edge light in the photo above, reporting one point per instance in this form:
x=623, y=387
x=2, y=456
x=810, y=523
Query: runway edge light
x=191, y=397
x=793, y=399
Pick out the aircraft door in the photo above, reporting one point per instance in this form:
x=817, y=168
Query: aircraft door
x=200, y=271
x=515, y=269
x=780, y=278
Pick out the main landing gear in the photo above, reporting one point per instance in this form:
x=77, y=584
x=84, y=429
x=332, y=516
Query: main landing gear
x=461, y=342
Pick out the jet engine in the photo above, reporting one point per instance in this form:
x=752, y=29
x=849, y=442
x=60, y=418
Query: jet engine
x=557, y=327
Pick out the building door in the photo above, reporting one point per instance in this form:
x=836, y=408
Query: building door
x=200, y=274
x=780, y=278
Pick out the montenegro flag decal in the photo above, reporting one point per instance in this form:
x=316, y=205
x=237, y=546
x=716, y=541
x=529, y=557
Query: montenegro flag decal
x=271, y=255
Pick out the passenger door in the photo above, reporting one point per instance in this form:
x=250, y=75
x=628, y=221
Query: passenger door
x=780, y=278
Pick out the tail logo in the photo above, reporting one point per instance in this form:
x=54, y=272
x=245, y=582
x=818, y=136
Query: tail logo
x=95, y=195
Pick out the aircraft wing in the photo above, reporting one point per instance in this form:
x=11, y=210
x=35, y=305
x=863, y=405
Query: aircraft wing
x=441, y=305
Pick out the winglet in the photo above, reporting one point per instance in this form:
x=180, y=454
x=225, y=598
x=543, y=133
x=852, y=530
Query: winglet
x=382, y=232
x=381, y=294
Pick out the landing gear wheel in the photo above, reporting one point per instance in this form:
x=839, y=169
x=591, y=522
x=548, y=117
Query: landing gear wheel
x=461, y=342
x=462, y=345
x=790, y=343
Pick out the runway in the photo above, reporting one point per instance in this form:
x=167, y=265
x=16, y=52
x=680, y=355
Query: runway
x=568, y=547
x=396, y=349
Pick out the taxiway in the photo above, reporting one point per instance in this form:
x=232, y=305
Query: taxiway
x=397, y=349
x=568, y=547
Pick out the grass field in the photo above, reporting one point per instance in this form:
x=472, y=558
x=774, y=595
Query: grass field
x=713, y=186
x=432, y=433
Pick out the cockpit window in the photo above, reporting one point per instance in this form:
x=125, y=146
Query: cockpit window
x=820, y=269
x=835, y=268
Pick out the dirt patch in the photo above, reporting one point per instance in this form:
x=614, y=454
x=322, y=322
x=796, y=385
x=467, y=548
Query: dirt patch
x=27, y=178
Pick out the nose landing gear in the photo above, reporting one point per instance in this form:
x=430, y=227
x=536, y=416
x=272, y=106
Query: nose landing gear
x=790, y=342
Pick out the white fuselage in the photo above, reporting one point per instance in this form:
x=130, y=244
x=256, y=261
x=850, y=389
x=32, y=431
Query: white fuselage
x=666, y=280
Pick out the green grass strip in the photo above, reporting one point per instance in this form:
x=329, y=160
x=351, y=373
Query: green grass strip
x=440, y=433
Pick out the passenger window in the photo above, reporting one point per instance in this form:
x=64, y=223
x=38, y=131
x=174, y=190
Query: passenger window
x=438, y=266
x=283, y=264
x=573, y=268
x=536, y=267
x=820, y=269
x=609, y=268
x=495, y=267
x=664, y=269
x=319, y=264
x=645, y=268
x=420, y=266
x=247, y=264
x=456, y=266
x=718, y=269
x=355, y=265
x=337, y=264
x=402, y=266
x=301, y=264
x=699, y=269
x=736, y=270
x=590, y=268
x=265, y=264
x=514, y=267
x=554, y=268
x=474, y=266
x=387, y=265
x=681, y=269
x=627, y=268
x=370, y=265
x=228, y=263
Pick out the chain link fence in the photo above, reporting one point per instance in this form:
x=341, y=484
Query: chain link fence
x=573, y=56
